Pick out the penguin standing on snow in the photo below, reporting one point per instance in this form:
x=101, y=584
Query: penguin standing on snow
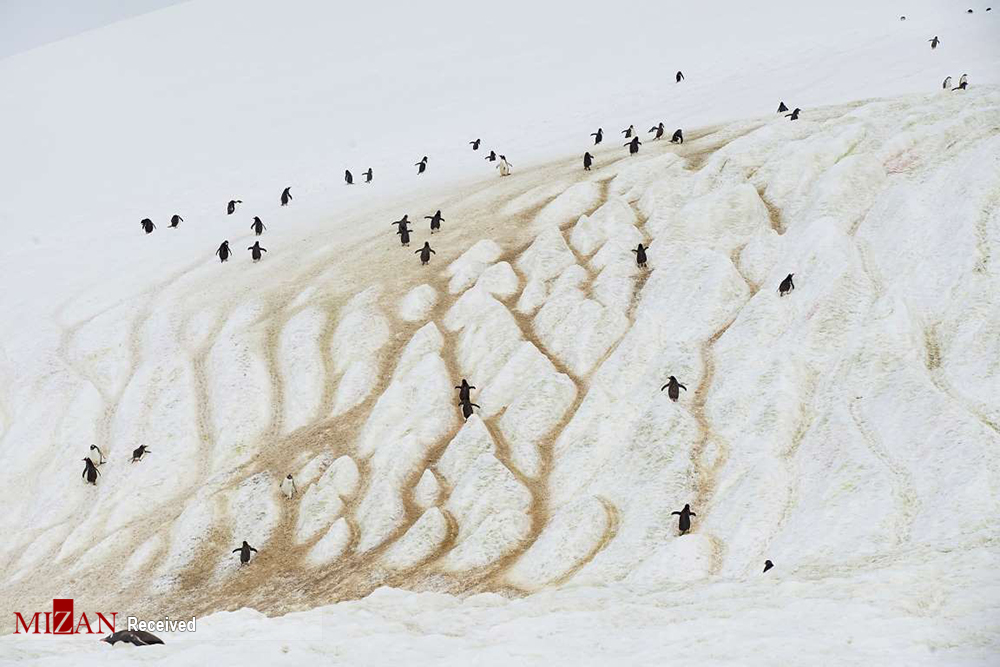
x=492, y=157
x=286, y=196
x=403, y=223
x=782, y=108
x=673, y=386
x=628, y=132
x=504, y=166
x=255, y=251
x=90, y=472
x=96, y=455
x=421, y=166
x=684, y=524
x=467, y=406
x=658, y=129
x=680, y=76
x=633, y=146
x=768, y=565
x=963, y=82
x=348, y=178
x=245, y=552
x=678, y=137
x=231, y=206
x=257, y=226
x=598, y=136
x=794, y=115
x=425, y=253
x=475, y=144
x=463, y=390
x=368, y=175
x=138, y=453
x=288, y=486
x=224, y=252
x=436, y=220
x=947, y=83
x=147, y=225
x=588, y=160
x=786, y=285
x=640, y=255
x=133, y=637
x=934, y=42
x=404, y=236
x=175, y=221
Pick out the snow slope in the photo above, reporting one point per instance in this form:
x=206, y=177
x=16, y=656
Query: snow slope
x=848, y=431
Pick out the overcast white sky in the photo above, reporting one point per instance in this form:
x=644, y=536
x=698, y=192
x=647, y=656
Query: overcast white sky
x=27, y=24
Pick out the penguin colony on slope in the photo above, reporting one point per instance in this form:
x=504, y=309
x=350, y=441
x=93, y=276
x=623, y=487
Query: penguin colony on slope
x=287, y=487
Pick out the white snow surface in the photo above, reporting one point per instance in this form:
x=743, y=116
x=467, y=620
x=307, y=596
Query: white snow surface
x=849, y=431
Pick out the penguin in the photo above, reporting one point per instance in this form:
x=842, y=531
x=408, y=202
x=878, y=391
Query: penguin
x=463, y=390
x=902, y=18
x=504, y=166
x=138, y=452
x=786, y=285
x=255, y=251
x=768, y=565
x=629, y=131
x=90, y=472
x=425, y=253
x=147, y=225
x=224, y=252
x=588, y=160
x=680, y=76
x=286, y=196
x=175, y=221
x=672, y=388
x=231, y=206
x=436, y=220
x=348, y=178
x=467, y=408
x=658, y=129
x=288, y=486
x=245, y=552
x=404, y=236
x=474, y=144
x=684, y=524
x=492, y=157
x=134, y=637
x=422, y=165
x=598, y=136
x=633, y=146
x=96, y=451
x=782, y=108
x=947, y=83
x=368, y=175
x=794, y=115
x=403, y=222
x=963, y=83
x=678, y=137
x=934, y=42
x=640, y=255
x=969, y=11
x=257, y=226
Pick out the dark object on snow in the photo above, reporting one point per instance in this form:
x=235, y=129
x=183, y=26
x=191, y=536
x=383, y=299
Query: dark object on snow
x=598, y=136
x=934, y=42
x=794, y=115
x=680, y=76
x=422, y=165
x=134, y=637
x=588, y=160
x=255, y=251
x=245, y=552
x=257, y=226
x=90, y=472
x=684, y=524
x=640, y=255
x=403, y=222
x=404, y=235
x=629, y=131
x=963, y=82
x=673, y=386
x=368, y=175
x=175, y=220
x=475, y=145
x=786, y=286
x=768, y=565
x=348, y=178
x=286, y=196
x=467, y=406
x=147, y=225
x=138, y=452
x=231, y=206
x=658, y=129
x=678, y=137
x=633, y=146
x=436, y=220
x=463, y=390
x=946, y=84
x=492, y=157
x=902, y=18
x=425, y=253
x=782, y=108
x=224, y=252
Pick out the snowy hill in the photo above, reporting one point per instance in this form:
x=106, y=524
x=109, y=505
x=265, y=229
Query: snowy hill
x=847, y=431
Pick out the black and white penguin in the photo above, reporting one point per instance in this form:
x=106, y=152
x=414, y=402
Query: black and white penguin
x=934, y=42
x=257, y=226
x=286, y=196
x=658, y=129
x=768, y=565
x=256, y=250
x=368, y=175
x=90, y=472
x=463, y=390
x=588, y=160
x=963, y=82
x=467, y=408
x=598, y=136
x=436, y=220
x=947, y=83
x=96, y=455
x=422, y=165
x=684, y=524
x=680, y=76
x=492, y=157
x=786, y=285
x=504, y=166
x=403, y=222
x=224, y=252
x=902, y=18
x=794, y=115
x=138, y=453
x=474, y=144
x=425, y=253
x=678, y=137
x=782, y=108
x=175, y=221
x=288, y=486
x=348, y=178
x=404, y=236
x=640, y=255
x=673, y=386
x=633, y=146
x=629, y=131
x=147, y=225
x=134, y=637
x=231, y=206
x=245, y=552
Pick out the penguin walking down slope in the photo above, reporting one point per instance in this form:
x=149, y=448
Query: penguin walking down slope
x=138, y=453
x=288, y=486
x=286, y=196
x=403, y=223
x=588, y=160
x=256, y=250
x=425, y=253
x=678, y=137
x=463, y=390
x=934, y=42
x=422, y=165
x=680, y=76
x=467, y=406
x=658, y=129
x=90, y=472
x=963, y=82
x=436, y=221
x=231, y=206
x=640, y=255
x=404, y=236
x=475, y=144
x=96, y=455
x=492, y=157
x=633, y=146
x=147, y=225
x=245, y=552
x=786, y=285
x=598, y=136
x=947, y=83
x=504, y=166
x=368, y=175
x=134, y=637
x=684, y=523
x=629, y=131
x=224, y=252
x=348, y=178
x=673, y=386
x=768, y=565
x=257, y=226
x=175, y=221
x=782, y=108
x=794, y=115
